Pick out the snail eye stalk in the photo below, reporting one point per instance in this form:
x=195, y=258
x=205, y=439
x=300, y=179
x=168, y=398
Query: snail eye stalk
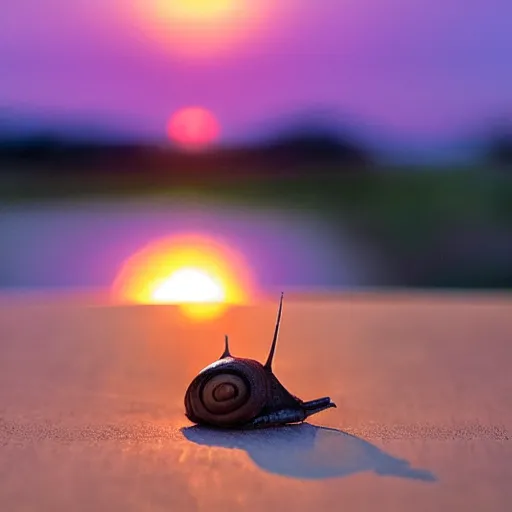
x=268, y=364
x=226, y=352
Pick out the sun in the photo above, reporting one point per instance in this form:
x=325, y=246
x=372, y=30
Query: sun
x=200, y=274
x=193, y=128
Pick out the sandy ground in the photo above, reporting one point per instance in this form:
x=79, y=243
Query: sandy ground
x=91, y=407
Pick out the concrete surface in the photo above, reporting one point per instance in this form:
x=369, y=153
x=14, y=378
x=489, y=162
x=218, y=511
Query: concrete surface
x=91, y=407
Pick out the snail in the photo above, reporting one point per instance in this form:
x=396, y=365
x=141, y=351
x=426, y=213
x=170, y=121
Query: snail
x=238, y=393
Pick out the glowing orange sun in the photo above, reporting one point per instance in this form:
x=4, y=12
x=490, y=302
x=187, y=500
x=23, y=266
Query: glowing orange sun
x=197, y=273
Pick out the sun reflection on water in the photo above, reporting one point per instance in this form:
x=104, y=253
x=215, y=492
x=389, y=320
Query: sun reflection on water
x=200, y=274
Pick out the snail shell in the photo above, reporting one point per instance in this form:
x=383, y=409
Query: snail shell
x=229, y=392
x=234, y=392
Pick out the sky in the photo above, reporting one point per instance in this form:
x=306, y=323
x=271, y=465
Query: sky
x=423, y=68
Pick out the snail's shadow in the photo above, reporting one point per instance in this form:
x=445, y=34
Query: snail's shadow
x=308, y=452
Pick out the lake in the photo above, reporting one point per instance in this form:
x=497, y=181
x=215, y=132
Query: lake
x=84, y=244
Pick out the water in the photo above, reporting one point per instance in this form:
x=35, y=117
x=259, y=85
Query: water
x=83, y=244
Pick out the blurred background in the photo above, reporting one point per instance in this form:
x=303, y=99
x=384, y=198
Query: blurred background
x=331, y=144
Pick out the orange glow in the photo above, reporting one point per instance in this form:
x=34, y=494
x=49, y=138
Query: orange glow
x=203, y=27
x=197, y=273
x=210, y=11
x=193, y=128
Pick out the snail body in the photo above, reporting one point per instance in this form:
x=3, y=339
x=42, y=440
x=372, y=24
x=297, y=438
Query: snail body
x=235, y=392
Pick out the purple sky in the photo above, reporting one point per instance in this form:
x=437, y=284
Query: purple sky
x=423, y=67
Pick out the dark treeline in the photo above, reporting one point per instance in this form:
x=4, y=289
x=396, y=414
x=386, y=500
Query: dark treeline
x=293, y=152
x=499, y=149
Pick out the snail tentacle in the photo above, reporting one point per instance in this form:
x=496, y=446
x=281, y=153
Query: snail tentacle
x=226, y=352
x=268, y=364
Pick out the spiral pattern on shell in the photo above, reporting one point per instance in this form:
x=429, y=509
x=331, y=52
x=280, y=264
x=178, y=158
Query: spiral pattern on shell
x=228, y=393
